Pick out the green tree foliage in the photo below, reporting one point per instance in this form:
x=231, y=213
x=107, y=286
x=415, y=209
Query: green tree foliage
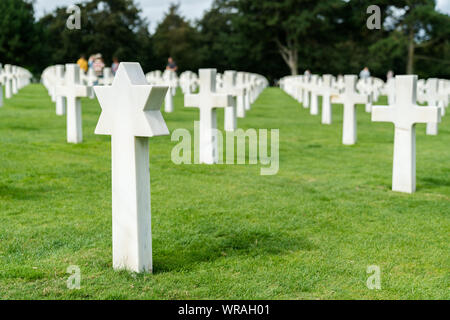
x=19, y=35
x=110, y=27
x=417, y=23
x=270, y=37
x=289, y=25
x=177, y=38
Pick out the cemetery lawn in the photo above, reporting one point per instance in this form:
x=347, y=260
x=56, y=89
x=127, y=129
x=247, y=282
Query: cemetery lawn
x=224, y=231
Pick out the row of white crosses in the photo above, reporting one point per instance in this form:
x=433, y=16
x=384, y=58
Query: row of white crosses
x=435, y=92
x=130, y=114
x=402, y=111
x=371, y=87
x=13, y=78
x=66, y=86
x=188, y=82
x=248, y=86
x=51, y=78
x=66, y=89
x=169, y=79
x=210, y=98
x=307, y=90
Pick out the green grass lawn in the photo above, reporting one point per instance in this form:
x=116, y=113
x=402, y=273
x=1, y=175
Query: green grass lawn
x=224, y=231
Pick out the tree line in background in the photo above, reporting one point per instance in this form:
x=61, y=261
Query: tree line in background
x=269, y=37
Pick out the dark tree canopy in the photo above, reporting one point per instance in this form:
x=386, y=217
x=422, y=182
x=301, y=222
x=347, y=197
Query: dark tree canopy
x=270, y=37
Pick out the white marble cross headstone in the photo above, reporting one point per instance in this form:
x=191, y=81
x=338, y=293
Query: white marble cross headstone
x=8, y=76
x=326, y=90
x=15, y=87
x=73, y=90
x=405, y=113
x=229, y=87
x=60, y=100
x=207, y=100
x=349, y=98
x=241, y=98
x=431, y=96
x=1, y=86
x=107, y=77
x=169, y=80
x=91, y=79
x=130, y=114
x=305, y=99
x=314, y=102
x=390, y=90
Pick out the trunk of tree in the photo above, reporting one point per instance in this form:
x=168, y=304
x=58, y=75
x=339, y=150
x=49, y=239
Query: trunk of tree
x=411, y=47
x=289, y=54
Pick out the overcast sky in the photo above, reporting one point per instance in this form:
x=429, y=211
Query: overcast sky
x=154, y=9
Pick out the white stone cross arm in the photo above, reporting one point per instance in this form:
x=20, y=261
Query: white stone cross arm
x=405, y=113
x=207, y=100
x=73, y=90
x=130, y=114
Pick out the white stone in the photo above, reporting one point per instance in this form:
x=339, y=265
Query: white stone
x=241, y=99
x=170, y=81
x=130, y=114
x=1, y=85
x=108, y=77
x=327, y=91
x=15, y=87
x=73, y=90
x=207, y=100
x=349, y=98
x=405, y=113
x=390, y=88
x=306, y=80
x=431, y=99
x=8, y=81
x=314, y=102
x=91, y=79
x=59, y=81
x=229, y=87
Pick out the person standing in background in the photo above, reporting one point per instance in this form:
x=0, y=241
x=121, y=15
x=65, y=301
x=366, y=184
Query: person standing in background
x=82, y=63
x=171, y=65
x=115, y=65
x=91, y=61
x=365, y=73
x=98, y=66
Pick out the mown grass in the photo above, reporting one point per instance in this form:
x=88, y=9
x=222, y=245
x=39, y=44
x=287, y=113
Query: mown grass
x=224, y=231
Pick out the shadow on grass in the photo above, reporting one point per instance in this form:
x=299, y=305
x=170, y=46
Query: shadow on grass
x=226, y=244
x=429, y=183
x=22, y=193
x=21, y=128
